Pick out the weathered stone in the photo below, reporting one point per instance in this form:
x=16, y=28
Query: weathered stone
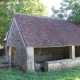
x=18, y=48
x=50, y=53
x=37, y=66
x=30, y=58
x=60, y=64
x=4, y=65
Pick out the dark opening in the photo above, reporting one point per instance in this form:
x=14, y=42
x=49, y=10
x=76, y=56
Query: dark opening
x=77, y=51
x=13, y=54
x=49, y=54
x=1, y=51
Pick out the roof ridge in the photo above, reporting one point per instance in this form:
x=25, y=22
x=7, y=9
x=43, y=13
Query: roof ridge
x=37, y=16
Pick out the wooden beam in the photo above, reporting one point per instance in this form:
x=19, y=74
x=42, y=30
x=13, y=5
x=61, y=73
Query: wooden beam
x=72, y=52
x=10, y=54
x=10, y=50
x=30, y=58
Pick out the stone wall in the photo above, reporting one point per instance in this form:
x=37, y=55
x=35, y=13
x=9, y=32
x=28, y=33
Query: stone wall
x=60, y=64
x=51, y=53
x=15, y=41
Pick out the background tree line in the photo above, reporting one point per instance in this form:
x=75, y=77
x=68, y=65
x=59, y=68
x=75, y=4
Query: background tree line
x=69, y=9
x=8, y=7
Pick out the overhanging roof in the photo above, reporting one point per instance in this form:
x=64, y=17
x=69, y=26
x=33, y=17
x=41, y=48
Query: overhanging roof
x=41, y=31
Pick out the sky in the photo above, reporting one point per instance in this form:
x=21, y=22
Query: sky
x=50, y=3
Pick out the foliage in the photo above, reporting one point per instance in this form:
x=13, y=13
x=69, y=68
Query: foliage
x=65, y=74
x=8, y=7
x=69, y=9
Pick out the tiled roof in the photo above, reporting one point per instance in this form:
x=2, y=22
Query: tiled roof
x=41, y=31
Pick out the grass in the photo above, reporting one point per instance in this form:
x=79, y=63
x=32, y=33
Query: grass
x=65, y=74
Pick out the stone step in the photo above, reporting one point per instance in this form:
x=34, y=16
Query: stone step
x=4, y=65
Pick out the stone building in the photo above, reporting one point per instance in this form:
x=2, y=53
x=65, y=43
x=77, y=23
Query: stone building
x=35, y=43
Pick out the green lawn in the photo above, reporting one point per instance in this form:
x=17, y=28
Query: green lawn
x=65, y=74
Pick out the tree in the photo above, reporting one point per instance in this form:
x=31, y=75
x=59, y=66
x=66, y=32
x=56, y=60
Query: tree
x=69, y=9
x=8, y=7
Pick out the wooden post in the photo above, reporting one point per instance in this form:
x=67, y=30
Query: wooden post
x=30, y=58
x=10, y=50
x=72, y=52
x=6, y=54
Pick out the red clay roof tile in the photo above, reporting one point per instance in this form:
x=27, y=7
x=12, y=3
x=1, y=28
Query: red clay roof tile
x=41, y=31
